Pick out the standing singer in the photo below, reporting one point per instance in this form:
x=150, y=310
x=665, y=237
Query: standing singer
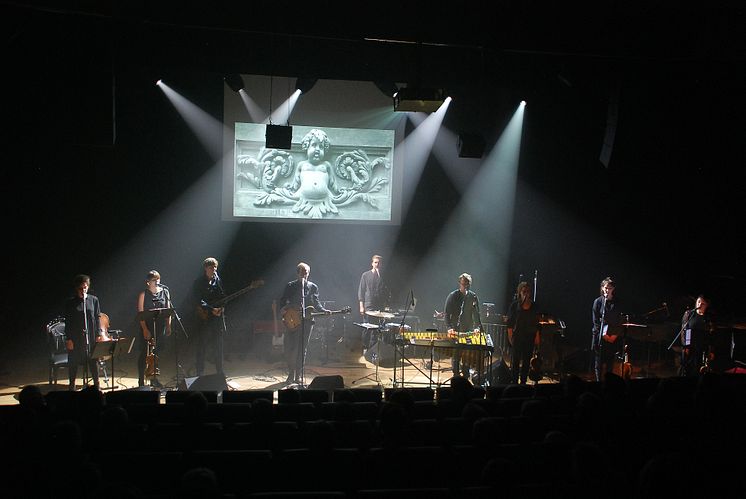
x=154, y=296
x=298, y=295
x=82, y=328
x=607, y=319
x=695, y=324
x=523, y=332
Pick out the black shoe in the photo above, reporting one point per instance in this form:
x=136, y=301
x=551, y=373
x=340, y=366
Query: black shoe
x=155, y=383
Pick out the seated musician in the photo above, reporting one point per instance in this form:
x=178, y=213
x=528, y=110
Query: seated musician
x=298, y=294
x=461, y=314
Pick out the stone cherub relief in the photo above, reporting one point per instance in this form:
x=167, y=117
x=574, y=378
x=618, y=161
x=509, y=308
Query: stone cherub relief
x=317, y=186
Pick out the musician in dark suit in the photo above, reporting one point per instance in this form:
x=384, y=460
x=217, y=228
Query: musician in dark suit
x=372, y=293
x=461, y=314
x=208, y=290
x=523, y=332
x=82, y=327
x=298, y=295
x=695, y=326
x=607, y=320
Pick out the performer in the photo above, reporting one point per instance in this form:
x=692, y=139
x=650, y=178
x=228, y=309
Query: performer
x=461, y=314
x=695, y=325
x=523, y=332
x=208, y=289
x=82, y=327
x=605, y=343
x=154, y=296
x=298, y=294
x=372, y=293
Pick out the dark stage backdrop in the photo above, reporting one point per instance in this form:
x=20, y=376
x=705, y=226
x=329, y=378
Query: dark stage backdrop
x=96, y=154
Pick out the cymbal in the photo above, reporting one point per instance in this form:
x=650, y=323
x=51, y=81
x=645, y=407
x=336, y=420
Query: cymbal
x=380, y=315
x=630, y=324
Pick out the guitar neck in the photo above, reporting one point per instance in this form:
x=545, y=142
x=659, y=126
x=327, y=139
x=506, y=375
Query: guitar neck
x=238, y=293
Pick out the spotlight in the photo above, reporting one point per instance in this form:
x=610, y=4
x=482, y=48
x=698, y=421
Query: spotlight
x=425, y=100
x=278, y=137
x=305, y=84
x=387, y=88
x=470, y=145
x=234, y=81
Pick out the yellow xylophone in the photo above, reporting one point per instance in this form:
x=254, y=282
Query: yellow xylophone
x=467, y=341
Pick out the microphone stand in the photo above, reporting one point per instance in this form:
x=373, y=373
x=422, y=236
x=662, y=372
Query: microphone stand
x=302, y=340
x=87, y=341
x=219, y=346
x=170, y=303
x=404, y=358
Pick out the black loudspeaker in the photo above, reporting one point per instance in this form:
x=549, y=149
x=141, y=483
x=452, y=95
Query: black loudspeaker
x=207, y=383
x=328, y=383
x=279, y=137
x=470, y=145
x=380, y=353
x=500, y=373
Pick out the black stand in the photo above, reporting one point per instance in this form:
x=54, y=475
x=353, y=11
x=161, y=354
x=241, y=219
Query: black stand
x=87, y=342
x=153, y=315
x=176, y=347
x=372, y=327
x=301, y=373
x=111, y=348
x=101, y=350
x=597, y=345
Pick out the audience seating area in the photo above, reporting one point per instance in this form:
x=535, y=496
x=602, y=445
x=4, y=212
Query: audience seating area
x=671, y=437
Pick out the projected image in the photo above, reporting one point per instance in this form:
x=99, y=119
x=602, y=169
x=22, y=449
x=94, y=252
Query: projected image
x=328, y=174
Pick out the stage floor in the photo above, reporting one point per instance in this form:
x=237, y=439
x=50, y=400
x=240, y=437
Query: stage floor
x=245, y=371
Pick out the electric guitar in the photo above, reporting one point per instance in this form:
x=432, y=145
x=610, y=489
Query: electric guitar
x=205, y=314
x=292, y=318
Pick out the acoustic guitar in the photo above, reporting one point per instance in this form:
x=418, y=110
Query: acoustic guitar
x=292, y=318
x=205, y=314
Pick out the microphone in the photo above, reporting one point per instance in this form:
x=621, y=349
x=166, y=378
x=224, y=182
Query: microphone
x=665, y=306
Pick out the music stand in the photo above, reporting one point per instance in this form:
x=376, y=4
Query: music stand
x=372, y=327
x=153, y=315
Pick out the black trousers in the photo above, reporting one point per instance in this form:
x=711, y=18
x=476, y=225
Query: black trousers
x=294, y=353
x=77, y=357
x=523, y=349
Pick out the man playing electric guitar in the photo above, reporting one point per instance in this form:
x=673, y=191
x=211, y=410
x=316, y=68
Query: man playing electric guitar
x=298, y=294
x=208, y=289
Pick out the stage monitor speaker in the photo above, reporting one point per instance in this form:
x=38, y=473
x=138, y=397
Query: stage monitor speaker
x=328, y=383
x=207, y=383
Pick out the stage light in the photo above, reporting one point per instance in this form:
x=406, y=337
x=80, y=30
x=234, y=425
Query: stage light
x=424, y=100
x=305, y=84
x=278, y=137
x=234, y=82
x=470, y=145
x=387, y=88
